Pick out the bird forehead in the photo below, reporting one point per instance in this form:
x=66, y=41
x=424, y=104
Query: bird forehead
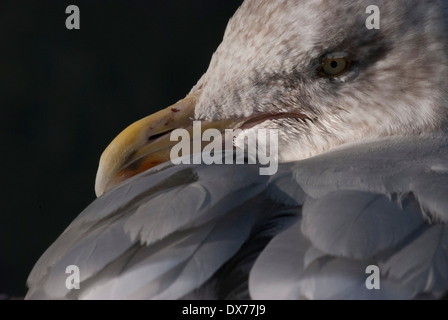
x=270, y=32
x=294, y=20
x=271, y=38
x=282, y=38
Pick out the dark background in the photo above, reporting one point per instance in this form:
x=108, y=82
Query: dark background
x=65, y=94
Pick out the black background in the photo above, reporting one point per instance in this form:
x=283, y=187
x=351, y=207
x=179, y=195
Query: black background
x=65, y=94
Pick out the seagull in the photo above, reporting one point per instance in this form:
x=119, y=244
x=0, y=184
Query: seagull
x=358, y=208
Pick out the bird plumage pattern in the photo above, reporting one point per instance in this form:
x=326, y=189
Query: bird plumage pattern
x=363, y=180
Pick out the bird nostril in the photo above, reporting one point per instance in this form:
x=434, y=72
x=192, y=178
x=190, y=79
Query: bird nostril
x=159, y=135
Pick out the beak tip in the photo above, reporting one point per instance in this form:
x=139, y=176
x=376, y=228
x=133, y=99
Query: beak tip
x=99, y=183
x=103, y=174
x=98, y=192
x=130, y=152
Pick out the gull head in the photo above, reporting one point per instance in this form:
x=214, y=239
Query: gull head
x=315, y=72
x=318, y=59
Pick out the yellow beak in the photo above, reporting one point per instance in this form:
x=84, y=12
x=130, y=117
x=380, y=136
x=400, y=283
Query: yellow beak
x=146, y=143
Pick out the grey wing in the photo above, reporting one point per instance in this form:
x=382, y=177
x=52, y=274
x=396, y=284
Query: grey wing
x=196, y=231
x=382, y=203
x=169, y=233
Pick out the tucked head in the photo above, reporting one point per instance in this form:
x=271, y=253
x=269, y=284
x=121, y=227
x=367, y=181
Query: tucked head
x=312, y=70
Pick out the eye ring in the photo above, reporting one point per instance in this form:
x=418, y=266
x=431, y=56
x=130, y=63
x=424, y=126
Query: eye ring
x=334, y=67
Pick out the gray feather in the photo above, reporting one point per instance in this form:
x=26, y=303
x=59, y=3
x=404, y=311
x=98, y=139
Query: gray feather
x=358, y=225
x=422, y=263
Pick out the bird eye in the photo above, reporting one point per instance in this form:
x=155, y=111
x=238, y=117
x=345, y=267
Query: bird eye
x=334, y=67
